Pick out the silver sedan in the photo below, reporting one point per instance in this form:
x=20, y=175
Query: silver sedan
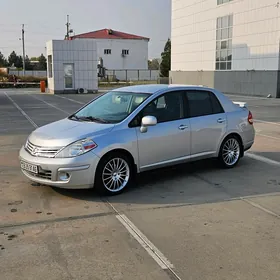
x=133, y=129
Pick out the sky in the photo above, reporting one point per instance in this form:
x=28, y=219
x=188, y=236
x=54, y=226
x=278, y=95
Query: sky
x=45, y=20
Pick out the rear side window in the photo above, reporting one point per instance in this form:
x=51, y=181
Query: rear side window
x=203, y=103
x=216, y=105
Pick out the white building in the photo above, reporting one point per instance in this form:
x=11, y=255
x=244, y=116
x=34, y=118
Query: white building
x=72, y=65
x=232, y=45
x=119, y=50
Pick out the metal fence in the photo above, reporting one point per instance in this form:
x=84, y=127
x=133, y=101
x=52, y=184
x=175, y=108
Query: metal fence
x=33, y=73
x=111, y=75
x=132, y=75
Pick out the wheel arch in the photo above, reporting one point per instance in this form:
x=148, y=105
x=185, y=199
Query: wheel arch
x=119, y=151
x=235, y=134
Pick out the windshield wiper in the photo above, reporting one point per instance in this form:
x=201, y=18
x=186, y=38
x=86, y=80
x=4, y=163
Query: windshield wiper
x=73, y=117
x=90, y=118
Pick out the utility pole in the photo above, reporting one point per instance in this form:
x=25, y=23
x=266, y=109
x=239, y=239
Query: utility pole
x=23, y=49
x=67, y=28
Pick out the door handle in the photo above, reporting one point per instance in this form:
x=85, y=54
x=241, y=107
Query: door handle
x=220, y=120
x=182, y=127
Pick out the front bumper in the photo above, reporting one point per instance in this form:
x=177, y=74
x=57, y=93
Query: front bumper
x=81, y=170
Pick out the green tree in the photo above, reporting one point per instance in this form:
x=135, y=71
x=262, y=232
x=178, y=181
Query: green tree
x=153, y=64
x=28, y=65
x=3, y=60
x=12, y=59
x=42, y=62
x=15, y=60
x=19, y=62
x=166, y=60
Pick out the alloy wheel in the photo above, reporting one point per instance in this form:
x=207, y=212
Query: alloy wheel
x=115, y=175
x=231, y=151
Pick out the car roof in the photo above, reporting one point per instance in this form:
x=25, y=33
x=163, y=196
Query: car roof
x=227, y=104
x=154, y=88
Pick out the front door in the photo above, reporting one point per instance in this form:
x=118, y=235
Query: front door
x=167, y=142
x=208, y=122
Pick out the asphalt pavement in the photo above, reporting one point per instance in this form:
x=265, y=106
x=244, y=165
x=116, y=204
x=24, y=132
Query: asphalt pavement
x=193, y=221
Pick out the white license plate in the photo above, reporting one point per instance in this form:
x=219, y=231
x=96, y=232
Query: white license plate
x=29, y=167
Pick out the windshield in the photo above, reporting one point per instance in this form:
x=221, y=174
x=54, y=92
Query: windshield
x=112, y=107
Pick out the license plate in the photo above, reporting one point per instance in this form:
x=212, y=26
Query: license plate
x=29, y=167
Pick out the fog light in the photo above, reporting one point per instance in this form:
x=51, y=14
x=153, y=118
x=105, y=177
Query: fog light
x=63, y=176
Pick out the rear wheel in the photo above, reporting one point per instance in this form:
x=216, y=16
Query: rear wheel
x=230, y=152
x=114, y=174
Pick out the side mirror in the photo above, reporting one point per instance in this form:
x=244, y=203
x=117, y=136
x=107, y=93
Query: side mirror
x=146, y=122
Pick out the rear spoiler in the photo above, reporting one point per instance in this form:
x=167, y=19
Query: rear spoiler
x=241, y=104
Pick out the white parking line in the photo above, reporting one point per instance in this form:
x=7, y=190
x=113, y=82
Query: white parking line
x=22, y=112
x=144, y=242
x=268, y=136
x=70, y=99
x=49, y=104
x=263, y=159
x=260, y=207
x=151, y=249
x=261, y=121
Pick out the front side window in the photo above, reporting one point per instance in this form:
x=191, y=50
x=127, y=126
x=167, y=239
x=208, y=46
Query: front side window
x=203, y=103
x=168, y=107
x=112, y=107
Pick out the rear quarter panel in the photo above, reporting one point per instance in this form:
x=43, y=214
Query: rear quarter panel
x=238, y=123
x=237, y=120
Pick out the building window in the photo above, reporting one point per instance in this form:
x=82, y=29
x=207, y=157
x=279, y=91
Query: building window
x=68, y=76
x=219, y=2
x=50, y=66
x=125, y=52
x=224, y=42
x=107, y=51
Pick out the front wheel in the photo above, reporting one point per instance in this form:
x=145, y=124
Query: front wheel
x=113, y=174
x=230, y=152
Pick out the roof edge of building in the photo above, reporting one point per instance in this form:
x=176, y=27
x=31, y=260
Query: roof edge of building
x=137, y=37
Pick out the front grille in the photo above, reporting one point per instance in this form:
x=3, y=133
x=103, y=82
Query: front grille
x=43, y=174
x=37, y=151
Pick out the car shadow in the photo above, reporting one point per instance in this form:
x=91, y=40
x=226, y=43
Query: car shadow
x=193, y=183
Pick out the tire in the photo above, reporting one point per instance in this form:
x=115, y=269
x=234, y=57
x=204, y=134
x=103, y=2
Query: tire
x=230, y=152
x=114, y=174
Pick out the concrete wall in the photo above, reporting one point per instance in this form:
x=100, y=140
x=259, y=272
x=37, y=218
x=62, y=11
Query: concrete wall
x=136, y=59
x=254, y=83
x=82, y=54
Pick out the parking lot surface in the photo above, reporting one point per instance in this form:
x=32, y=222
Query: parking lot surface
x=193, y=221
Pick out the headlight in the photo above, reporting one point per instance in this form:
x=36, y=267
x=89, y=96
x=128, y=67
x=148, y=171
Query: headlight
x=77, y=148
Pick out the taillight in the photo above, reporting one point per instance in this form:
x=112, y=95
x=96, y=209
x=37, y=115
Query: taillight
x=250, y=118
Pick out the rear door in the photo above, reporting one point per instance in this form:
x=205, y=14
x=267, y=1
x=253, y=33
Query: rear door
x=208, y=122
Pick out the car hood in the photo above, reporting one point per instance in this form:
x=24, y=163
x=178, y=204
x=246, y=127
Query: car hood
x=65, y=132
